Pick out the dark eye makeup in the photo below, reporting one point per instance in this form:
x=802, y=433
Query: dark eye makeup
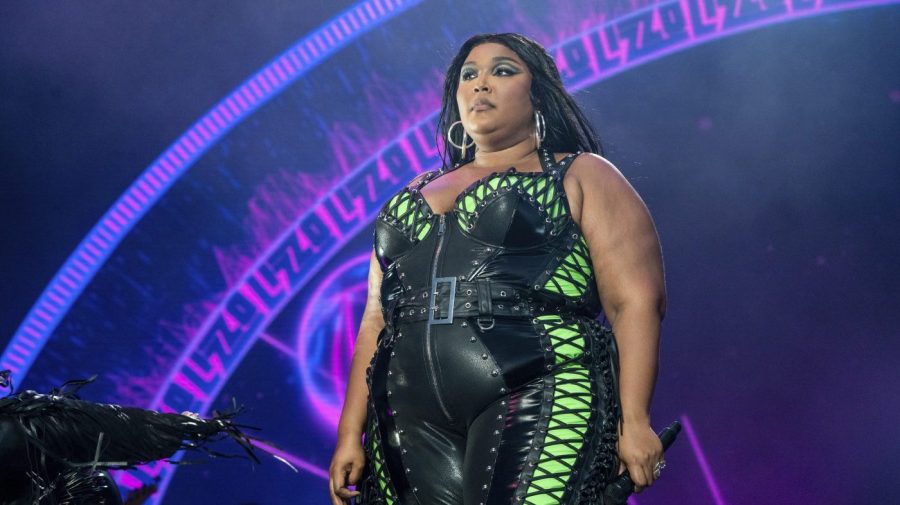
x=502, y=70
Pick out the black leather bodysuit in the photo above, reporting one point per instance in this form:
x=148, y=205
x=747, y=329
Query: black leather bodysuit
x=492, y=381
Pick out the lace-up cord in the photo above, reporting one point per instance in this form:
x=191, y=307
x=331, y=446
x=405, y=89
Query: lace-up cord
x=570, y=417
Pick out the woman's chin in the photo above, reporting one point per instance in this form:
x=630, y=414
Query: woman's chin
x=482, y=128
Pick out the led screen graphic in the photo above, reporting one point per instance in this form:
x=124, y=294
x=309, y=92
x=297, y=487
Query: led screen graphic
x=235, y=266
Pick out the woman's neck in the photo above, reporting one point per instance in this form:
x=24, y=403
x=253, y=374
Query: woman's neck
x=507, y=156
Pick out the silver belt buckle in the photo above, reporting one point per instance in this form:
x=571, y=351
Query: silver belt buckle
x=432, y=319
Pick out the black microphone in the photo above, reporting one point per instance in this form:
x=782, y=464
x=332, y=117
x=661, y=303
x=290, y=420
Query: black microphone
x=619, y=490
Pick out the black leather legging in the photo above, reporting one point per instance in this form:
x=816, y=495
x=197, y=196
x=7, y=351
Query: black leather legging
x=524, y=412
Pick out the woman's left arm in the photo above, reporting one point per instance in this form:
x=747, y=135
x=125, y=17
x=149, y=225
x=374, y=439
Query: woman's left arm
x=627, y=261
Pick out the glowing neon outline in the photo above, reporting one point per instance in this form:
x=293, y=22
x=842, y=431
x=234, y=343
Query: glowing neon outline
x=331, y=413
x=93, y=251
x=701, y=460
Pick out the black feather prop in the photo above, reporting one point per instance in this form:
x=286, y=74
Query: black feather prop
x=53, y=446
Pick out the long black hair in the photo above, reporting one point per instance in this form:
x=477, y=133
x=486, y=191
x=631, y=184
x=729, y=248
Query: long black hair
x=568, y=130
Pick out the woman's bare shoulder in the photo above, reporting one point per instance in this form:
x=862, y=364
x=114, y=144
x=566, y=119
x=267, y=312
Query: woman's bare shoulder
x=596, y=177
x=594, y=172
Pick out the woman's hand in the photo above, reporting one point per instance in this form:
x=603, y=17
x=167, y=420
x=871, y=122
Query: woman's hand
x=639, y=452
x=346, y=469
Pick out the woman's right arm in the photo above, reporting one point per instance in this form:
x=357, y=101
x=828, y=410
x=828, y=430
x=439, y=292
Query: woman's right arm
x=347, y=463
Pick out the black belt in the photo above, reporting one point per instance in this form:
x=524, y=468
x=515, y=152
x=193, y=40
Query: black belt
x=448, y=298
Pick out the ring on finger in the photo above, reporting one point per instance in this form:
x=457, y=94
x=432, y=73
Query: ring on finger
x=658, y=468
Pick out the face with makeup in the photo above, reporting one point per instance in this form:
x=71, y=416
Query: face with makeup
x=494, y=96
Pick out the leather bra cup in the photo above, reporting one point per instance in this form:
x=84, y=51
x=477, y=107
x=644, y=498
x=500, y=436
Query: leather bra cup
x=513, y=219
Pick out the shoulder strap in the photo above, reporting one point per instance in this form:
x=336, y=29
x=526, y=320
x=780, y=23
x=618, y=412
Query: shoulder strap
x=418, y=181
x=549, y=163
x=565, y=163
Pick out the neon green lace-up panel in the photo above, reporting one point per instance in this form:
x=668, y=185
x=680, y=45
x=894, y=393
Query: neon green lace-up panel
x=408, y=212
x=539, y=187
x=573, y=275
x=570, y=416
x=378, y=467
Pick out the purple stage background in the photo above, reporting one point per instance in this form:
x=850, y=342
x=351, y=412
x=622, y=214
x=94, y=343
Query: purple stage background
x=188, y=193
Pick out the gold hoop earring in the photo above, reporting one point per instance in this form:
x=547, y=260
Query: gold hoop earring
x=540, y=128
x=464, y=147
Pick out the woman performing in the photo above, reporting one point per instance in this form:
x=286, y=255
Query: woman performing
x=481, y=374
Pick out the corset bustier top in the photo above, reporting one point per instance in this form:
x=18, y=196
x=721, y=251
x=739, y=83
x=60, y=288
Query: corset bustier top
x=508, y=247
